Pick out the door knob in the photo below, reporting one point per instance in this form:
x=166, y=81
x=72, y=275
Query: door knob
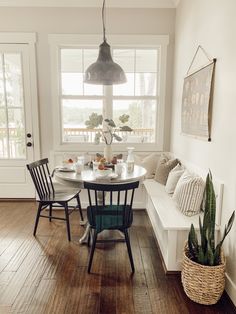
x=29, y=144
x=28, y=135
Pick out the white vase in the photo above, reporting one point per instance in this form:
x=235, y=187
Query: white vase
x=108, y=153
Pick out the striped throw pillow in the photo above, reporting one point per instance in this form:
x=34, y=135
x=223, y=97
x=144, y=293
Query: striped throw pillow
x=189, y=194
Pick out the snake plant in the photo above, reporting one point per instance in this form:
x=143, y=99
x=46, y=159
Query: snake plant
x=205, y=251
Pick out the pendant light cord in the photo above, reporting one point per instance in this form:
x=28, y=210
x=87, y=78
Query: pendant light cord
x=103, y=21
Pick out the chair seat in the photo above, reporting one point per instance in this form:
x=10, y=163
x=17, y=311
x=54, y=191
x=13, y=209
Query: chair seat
x=106, y=217
x=60, y=196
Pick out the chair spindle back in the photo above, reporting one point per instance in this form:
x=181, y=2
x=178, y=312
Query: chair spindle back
x=41, y=177
x=120, y=196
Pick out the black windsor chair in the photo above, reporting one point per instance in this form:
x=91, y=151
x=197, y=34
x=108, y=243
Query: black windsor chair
x=49, y=197
x=117, y=215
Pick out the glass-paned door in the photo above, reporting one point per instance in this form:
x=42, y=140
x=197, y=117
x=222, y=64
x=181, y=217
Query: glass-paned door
x=16, y=138
x=12, y=115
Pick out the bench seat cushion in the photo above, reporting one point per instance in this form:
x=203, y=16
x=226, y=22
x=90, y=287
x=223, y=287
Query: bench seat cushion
x=171, y=218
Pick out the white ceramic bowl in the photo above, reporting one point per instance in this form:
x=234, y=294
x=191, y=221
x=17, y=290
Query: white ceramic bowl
x=104, y=172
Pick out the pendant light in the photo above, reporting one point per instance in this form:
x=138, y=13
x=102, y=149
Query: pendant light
x=104, y=71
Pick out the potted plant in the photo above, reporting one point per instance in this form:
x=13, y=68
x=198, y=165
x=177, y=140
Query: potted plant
x=203, y=272
x=107, y=131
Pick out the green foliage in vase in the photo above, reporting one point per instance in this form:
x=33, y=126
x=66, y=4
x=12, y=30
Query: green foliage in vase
x=205, y=251
x=106, y=128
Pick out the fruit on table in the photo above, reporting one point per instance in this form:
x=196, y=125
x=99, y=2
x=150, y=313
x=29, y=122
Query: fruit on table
x=101, y=167
x=70, y=160
x=103, y=160
x=114, y=160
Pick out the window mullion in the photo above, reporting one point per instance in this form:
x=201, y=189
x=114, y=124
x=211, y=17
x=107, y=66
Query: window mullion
x=107, y=108
x=83, y=70
x=81, y=97
x=135, y=72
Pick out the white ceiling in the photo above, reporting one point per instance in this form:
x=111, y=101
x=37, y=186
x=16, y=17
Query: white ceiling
x=91, y=3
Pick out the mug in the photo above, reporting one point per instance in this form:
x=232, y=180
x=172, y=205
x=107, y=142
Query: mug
x=119, y=169
x=95, y=165
x=79, y=166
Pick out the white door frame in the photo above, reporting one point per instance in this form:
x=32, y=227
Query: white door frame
x=30, y=39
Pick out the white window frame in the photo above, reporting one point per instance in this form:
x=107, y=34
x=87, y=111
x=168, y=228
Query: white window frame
x=58, y=41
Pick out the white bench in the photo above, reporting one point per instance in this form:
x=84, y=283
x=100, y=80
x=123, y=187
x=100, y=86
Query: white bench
x=170, y=226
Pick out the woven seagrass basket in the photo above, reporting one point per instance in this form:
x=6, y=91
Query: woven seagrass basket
x=203, y=284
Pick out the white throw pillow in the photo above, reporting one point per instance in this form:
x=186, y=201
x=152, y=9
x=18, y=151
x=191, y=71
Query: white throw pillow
x=188, y=194
x=173, y=178
x=149, y=163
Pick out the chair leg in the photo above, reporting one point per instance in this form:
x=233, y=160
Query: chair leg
x=89, y=237
x=67, y=221
x=92, y=250
x=79, y=207
x=129, y=250
x=37, y=218
x=50, y=212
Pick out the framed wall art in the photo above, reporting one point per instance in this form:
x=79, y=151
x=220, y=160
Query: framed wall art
x=197, y=101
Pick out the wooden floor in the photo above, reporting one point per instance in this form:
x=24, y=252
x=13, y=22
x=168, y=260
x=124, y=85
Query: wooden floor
x=48, y=274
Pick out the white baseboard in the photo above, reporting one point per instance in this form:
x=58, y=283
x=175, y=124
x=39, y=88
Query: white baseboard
x=230, y=288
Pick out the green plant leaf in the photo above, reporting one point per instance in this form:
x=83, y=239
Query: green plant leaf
x=210, y=256
x=193, y=243
x=124, y=118
x=217, y=254
x=201, y=259
x=117, y=137
x=94, y=120
x=110, y=122
x=219, y=245
x=210, y=211
x=126, y=128
x=203, y=236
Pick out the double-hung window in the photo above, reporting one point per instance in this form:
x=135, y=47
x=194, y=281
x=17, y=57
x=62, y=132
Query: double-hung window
x=142, y=97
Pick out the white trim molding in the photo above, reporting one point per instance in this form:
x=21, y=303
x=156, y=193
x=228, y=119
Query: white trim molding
x=29, y=39
x=17, y=38
x=170, y=4
x=230, y=288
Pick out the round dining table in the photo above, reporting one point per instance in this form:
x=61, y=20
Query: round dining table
x=72, y=179
x=75, y=180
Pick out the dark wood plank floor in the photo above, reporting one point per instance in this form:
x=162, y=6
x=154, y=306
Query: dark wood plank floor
x=48, y=274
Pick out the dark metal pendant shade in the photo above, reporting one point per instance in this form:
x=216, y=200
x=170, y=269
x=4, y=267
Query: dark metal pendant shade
x=104, y=71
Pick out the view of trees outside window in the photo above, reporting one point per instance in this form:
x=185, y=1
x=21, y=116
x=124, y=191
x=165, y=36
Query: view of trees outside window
x=138, y=97
x=12, y=118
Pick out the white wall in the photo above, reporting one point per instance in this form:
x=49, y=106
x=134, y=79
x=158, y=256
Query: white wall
x=212, y=24
x=46, y=21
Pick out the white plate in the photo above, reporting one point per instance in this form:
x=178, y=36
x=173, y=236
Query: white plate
x=65, y=169
x=106, y=176
x=101, y=176
x=113, y=175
